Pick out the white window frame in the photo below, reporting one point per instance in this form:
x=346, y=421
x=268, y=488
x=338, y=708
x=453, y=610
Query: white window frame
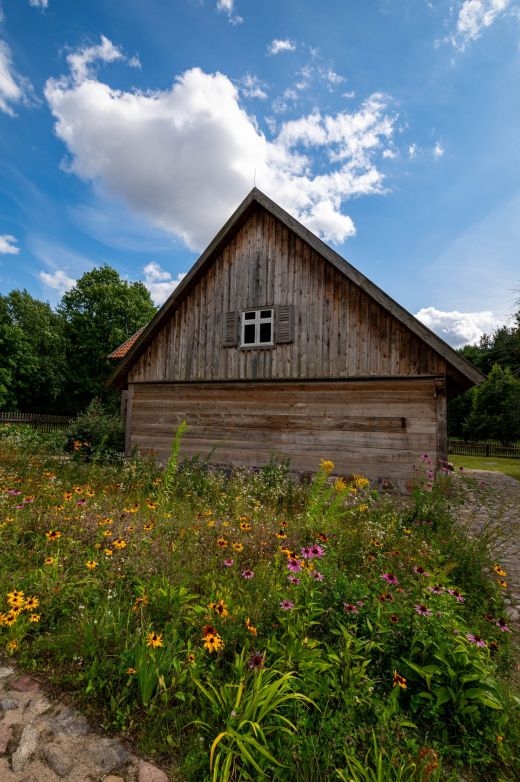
x=256, y=321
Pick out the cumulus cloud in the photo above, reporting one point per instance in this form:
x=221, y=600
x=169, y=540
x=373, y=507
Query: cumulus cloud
x=160, y=282
x=278, y=45
x=13, y=87
x=58, y=280
x=228, y=7
x=81, y=62
x=438, y=150
x=39, y=3
x=459, y=328
x=185, y=157
x=252, y=87
x=474, y=17
x=8, y=245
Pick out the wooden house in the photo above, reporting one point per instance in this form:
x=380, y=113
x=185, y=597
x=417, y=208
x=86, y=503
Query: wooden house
x=273, y=347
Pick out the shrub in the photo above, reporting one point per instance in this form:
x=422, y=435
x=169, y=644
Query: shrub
x=96, y=434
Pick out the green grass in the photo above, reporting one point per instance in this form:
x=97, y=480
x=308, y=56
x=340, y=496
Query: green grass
x=508, y=466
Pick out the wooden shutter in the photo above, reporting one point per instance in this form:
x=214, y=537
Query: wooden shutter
x=231, y=329
x=284, y=323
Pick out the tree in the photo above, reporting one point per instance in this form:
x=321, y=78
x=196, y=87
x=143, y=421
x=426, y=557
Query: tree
x=495, y=412
x=99, y=313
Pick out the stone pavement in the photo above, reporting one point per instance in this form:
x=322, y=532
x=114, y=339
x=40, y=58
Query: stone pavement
x=44, y=741
x=492, y=508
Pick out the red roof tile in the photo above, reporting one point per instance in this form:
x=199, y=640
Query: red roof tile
x=124, y=347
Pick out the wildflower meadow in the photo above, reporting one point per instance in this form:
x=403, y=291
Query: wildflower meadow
x=238, y=625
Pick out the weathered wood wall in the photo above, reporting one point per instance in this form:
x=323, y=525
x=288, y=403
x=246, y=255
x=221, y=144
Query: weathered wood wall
x=378, y=428
x=339, y=331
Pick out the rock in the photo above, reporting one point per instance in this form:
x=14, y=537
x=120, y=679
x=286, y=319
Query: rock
x=26, y=748
x=34, y=707
x=56, y=758
x=25, y=684
x=6, y=734
x=5, y=672
x=148, y=773
x=513, y=613
x=69, y=722
x=112, y=778
x=8, y=704
x=108, y=754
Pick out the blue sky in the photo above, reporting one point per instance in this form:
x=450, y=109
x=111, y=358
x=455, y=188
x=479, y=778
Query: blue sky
x=131, y=129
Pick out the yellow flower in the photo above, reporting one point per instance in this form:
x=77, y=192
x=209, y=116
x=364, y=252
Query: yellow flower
x=360, y=481
x=220, y=608
x=91, y=565
x=502, y=584
x=49, y=561
x=148, y=526
x=107, y=533
x=245, y=526
x=340, y=485
x=499, y=570
x=131, y=671
x=119, y=543
x=407, y=531
x=151, y=504
x=250, y=627
x=34, y=618
x=97, y=545
x=15, y=597
x=53, y=535
x=399, y=681
x=238, y=547
x=222, y=542
x=12, y=646
x=327, y=466
x=154, y=640
x=213, y=643
x=362, y=508
x=107, y=552
x=190, y=658
x=31, y=603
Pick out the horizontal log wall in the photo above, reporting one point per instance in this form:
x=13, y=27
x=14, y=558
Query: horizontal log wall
x=339, y=331
x=378, y=428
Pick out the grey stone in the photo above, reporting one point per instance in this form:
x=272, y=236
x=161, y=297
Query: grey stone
x=56, y=758
x=148, y=773
x=8, y=704
x=112, y=778
x=69, y=722
x=5, y=672
x=35, y=707
x=109, y=755
x=25, y=684
x=26, y=748
x=6, y=734
x=513, y=613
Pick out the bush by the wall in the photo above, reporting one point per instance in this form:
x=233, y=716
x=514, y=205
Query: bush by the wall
x=95, y=434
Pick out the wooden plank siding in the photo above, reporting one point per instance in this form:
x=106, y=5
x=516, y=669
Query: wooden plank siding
x=340, y=331
x=378, y=428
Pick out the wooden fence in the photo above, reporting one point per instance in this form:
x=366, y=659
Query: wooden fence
x=47, y=423
x=461, y=448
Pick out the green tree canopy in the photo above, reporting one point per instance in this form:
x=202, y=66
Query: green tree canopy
x=495, y=410
x=99, y=312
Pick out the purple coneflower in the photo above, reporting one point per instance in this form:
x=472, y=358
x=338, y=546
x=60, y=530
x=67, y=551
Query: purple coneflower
x=293, y=580
x=286, y=605
x=420, y=571
x=316, y=551
x=390, y=578
x=229, y=562
x=350, y=609
x=422, y=610
x=436, y=590
x=317, y=576
x=81, y=502
x=306, y=552
x=256, y=661
x=503, y=625
x=360, y=603
x=456, y=594
x=247, y=573
x=294, y=566
x=475, y=639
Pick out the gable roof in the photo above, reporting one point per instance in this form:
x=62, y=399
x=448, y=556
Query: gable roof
x=237, y=219
x=125, y=346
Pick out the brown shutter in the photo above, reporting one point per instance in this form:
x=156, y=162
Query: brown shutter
x=231, y=329
x=284, y=323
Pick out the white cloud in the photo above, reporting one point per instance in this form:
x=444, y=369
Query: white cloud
x=159, y=282
x=39, y=3
x=58, y=280
x=278, y=45
x=459, y=328
x=474, y=17
x=80, y=62
x=252, y=87
x=228, y=7
x=438, y=150
x=8, y=245
x=412, y=150
x=13, y=88
x=332, y=77
x=185, y=157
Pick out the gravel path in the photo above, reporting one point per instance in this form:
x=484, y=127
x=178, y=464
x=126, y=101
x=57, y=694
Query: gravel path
x=492, y=508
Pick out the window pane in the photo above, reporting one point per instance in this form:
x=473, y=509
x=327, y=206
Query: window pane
x=266, y=313
x=249, y=334
x=265, y=332
x=249, y=315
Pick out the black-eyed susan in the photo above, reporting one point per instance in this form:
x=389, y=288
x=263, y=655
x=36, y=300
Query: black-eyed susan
x=12, y=646
x=213, y=643
x=30, y=603
x=238, y=547
x=131, y=671
x=251, y=628
x=90, y=564
x=245, y=526
x=108, y=552
x=153, y=639
x=119, y=543
x=399, y=681
x=220, y=608
x=34, y=618
x=148, y=526
x=49, y=561
x=52, y=535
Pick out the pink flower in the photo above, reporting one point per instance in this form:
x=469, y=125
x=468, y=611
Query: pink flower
x=247, y=574
x=436, y=590
x=456, y=594
x=475, y=639
x=350, y=609
x=503, y=626
x=306, y=552
x=294, y=566
x=316, y=551
x=420, y=571
x=286, y=605
x=360, y=603
x=423, y=610
x=390, y=578
x=293, y=580
x=81, y=502
x=228, y=562
x=317, y=576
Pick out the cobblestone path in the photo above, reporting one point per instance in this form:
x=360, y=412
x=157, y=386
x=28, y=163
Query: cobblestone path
x=492, y=508
x=45, y=741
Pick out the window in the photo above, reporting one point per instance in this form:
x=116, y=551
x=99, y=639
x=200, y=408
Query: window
x=257, y=328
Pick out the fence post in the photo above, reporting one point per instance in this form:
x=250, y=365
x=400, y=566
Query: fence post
x=487, y=449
